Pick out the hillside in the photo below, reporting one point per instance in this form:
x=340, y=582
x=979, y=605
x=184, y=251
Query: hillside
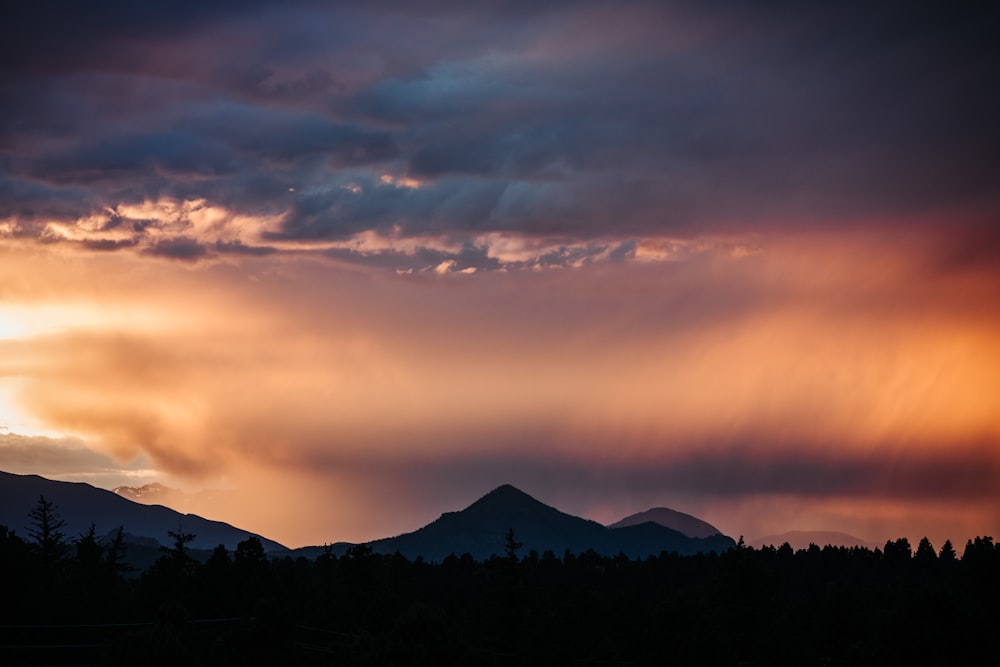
x=81, y=504
x=480, y=529
x=683, y=523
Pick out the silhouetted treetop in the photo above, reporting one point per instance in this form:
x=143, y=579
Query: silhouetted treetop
x=925, y=551
x=45, y=530
x=511, y=546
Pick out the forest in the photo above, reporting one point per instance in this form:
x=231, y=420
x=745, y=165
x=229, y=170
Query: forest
x=72, y=600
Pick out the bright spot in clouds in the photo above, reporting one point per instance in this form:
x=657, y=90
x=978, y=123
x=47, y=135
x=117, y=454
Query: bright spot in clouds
x=400, y=181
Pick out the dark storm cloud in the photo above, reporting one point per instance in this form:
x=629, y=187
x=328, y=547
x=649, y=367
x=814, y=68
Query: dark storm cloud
x=349, y=205
x=43, y=36
x=181, y=248
x=534, y=118
x=125, y=158
x=35, y=202
x=285, y=136
x=108, y=244
x=240, y=248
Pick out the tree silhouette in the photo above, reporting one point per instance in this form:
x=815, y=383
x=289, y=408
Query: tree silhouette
x=179, y=559
x=181, y=539
x=761, y=606
x=50, y=542
x=15, y=576
x=250, y=551
x=978, y=551
x=219, y=560
x=115, y=553
x=925, y=552
x=510, y=546
x=947, y=552
x=898, y=551
x=250, y=566
x=89, y=551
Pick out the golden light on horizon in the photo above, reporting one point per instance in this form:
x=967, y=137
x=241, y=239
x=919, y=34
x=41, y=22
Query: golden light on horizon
x=804, y=349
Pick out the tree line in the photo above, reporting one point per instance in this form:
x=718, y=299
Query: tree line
x=774, y=605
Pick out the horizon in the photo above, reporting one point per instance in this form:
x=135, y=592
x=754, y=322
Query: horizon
x=174, y=500
x=332, y=270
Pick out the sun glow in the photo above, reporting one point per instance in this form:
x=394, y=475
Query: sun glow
x=13, y=419
x=18, y=321
x=22, y=321
x=301, y=365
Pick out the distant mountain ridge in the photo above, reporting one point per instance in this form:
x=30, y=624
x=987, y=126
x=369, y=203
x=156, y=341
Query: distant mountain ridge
x=801, y=539
x=664, y=516
x=480, y=529
x=145, y=493
x=81, y=504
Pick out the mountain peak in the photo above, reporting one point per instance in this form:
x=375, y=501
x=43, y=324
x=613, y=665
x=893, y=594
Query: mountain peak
x=679, y=521
x=479, y=530
x=506, y=499
x=506, y=491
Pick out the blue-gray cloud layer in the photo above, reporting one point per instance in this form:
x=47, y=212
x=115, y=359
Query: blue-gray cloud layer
x=569, y=120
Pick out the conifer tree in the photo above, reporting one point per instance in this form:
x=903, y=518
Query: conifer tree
x=511, y=546
x=925, y=551
x=947, y=552
x=45, y=530
x=115, y=554
x=89, y=551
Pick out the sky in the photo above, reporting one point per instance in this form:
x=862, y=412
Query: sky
x=332, y=269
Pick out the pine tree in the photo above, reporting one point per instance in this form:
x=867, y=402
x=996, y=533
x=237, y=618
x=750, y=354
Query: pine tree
x=115, y=554
x=925, y=551
x=948, y=552
x=50, y=542
x=179, y=557
x=89, y=552
x=511, y=546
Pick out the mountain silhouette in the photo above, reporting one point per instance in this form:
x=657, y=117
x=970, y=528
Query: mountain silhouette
x=480, y=529
x=664, y=516
x=801, y=539
x=146, y=494
x=81, y=504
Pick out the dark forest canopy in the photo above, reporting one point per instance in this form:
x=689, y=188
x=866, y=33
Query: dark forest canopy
x=763, y=606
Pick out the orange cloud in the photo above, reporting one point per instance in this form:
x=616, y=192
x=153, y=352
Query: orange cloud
x=815, y=350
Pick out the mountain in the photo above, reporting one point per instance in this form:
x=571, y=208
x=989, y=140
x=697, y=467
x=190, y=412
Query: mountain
x=82, y=504
x=679, y=521
x=158, y=494
x=650, y=538
x=146, y=494
x=801, y=539
x=480, y=530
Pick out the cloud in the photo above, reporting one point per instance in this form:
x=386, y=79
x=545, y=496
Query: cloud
x=67, y=459
x=182, y=248
x=807, y=342
x=238, y=247
x=647, y=121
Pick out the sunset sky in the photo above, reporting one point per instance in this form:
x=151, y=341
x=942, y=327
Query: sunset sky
x=333, y=269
